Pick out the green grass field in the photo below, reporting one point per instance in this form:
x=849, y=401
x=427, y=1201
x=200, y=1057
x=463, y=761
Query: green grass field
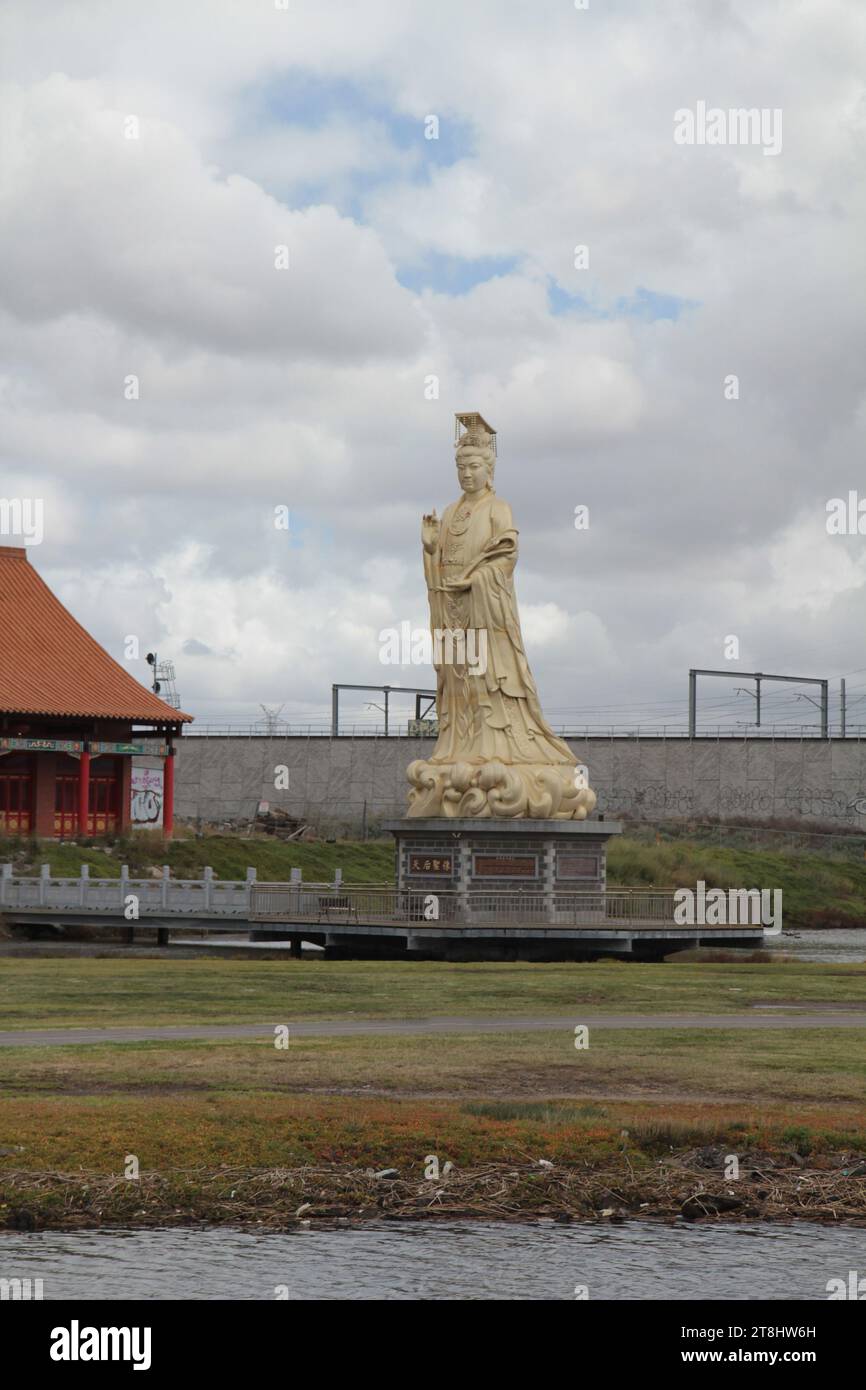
x=301, y=1124
x=193, y=1109
x=821, y=1066
x=228, y=855
x=116, y=991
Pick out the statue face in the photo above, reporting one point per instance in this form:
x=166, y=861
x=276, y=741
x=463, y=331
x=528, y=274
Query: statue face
x=473, y=470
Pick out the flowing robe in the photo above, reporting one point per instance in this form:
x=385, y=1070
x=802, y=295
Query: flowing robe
x=487, y=710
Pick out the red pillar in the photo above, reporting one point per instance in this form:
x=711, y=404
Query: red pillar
x=83, y=791
x=168, y=795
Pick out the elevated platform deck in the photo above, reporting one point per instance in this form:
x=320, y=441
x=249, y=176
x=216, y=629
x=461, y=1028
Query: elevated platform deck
x=369, y=921
x=473, y=924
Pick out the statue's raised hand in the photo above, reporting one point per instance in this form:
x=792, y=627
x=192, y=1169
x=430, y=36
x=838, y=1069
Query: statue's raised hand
x=430, y=531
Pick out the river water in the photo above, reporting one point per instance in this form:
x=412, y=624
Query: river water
x=443, y=1260
x=847, y=945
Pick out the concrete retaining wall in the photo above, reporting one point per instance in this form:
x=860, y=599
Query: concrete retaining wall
x=336, y=783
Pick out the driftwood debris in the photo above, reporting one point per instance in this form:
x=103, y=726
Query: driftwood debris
x=678, y=1189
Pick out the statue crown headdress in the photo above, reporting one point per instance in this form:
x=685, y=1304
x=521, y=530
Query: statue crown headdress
x=471, y=429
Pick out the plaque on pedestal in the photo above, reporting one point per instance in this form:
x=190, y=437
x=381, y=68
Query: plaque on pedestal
x=520, y=855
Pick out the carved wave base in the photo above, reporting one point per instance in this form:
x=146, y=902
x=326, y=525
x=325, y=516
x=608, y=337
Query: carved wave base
x=538, y=790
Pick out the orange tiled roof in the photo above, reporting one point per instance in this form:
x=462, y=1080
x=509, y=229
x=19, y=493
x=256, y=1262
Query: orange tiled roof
x=50, y=665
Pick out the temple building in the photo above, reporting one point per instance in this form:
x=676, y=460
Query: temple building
x=71, y=719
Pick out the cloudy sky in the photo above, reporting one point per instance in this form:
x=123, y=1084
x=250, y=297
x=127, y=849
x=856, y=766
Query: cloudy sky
x=154, y=157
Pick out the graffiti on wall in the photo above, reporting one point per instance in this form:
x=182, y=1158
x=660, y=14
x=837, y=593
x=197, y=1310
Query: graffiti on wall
x=825, y=804
x=218, y=777
x=147, y=795
x=647, y=800
x=656, y=798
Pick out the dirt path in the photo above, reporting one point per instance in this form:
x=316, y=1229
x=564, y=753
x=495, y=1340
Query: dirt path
x=60, y=1037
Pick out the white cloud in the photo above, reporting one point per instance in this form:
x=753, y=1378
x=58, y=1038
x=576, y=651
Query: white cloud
x=140, y=232
x=306, y=387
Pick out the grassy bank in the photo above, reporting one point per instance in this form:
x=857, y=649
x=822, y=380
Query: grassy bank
x=818, y=889
x=260, y=1159
x=820, y=1067
x=73, y=992
x=228, y=855
x=242, y=1132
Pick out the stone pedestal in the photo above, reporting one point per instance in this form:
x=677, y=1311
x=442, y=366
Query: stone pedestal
x=461, y=861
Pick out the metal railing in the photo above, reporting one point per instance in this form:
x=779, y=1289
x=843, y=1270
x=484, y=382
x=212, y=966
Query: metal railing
x=153, y=897
x=681, y=731
x=322, y=904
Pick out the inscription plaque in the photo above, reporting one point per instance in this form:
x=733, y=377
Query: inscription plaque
x=505, y=865
x=430, y=863
x=577, y=866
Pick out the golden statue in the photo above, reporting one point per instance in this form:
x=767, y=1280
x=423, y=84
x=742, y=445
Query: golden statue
x=496, y=755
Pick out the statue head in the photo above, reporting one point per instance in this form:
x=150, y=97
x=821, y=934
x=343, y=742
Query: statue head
x=476, y=460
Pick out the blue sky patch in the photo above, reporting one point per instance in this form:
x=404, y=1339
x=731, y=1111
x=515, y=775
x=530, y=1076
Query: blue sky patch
x=303, y=99
x=453, y=274
x=644, y=304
